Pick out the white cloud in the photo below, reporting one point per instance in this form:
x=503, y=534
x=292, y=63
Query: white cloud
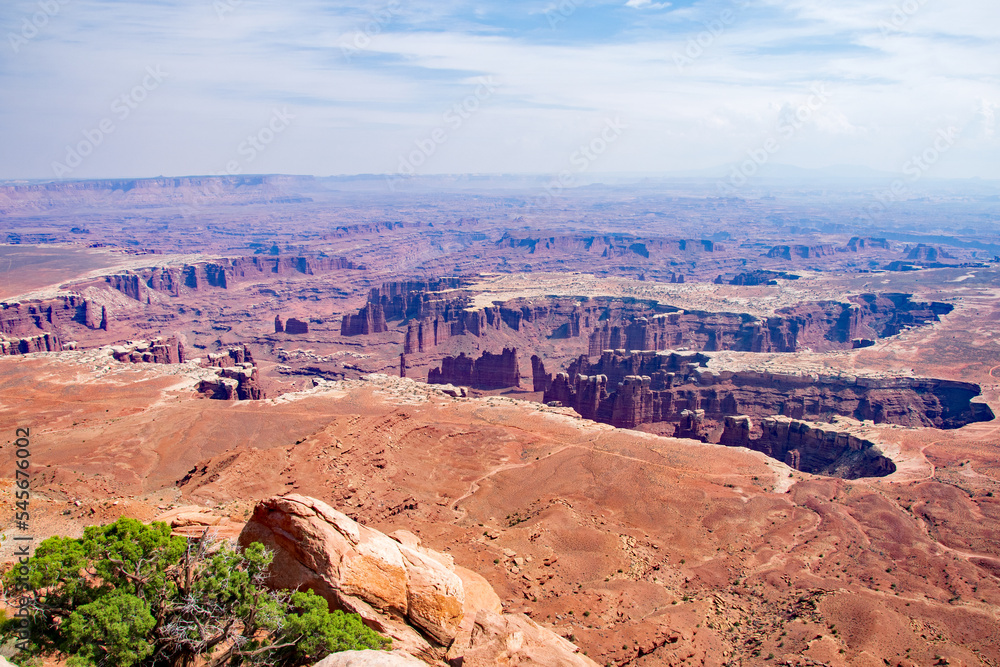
x=888, y=92
x=646, y=4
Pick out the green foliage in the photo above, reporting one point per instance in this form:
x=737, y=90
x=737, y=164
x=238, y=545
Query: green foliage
x=322, y=632
x=128, y=594
x=115, y=625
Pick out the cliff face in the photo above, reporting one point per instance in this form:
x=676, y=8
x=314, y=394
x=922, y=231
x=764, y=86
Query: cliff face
x=369, y=320
x=401, y=300
x=610, y=323
x=489, y=371
x=47, y=342
x=757, y=277
x=606, y=246
x=157, y=351
x=233, y=356
x=820, y=326
x=220, y=273
x=540, y=380
x=33, y=318
x=809, y=447
x=238, y=377
x=295, y=326
x=650, y=387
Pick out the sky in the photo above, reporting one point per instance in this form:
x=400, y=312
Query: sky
x=123, y=88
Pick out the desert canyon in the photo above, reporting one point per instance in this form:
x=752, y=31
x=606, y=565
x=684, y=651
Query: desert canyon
x=633, y=425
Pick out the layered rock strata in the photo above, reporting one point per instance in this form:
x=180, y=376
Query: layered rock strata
x=32, y=318
x=46, y=342
x=489, y=371
x=238, y=377
x=820, y=326
x=611, y=323
x=219, y=273
x=157, y=351
x=813, y=448
x=628, y=389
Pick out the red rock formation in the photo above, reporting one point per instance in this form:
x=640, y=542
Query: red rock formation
x=454, y=370
x=692, y=425
x=820, y=326
x=219, y=388
x=46, y=342
x=236, y=381
x=757, y=277
x=428, y=605
x=157, y=351
x=223, y=273
x=405, y=300
x=247, y=381
x=651, y=387
x=926, y=253
x=357, y=569
x=540, y=380
x=369, y=320
x=402, y=365
x=515, y=639
x=237, y=376
x=128, y=284
x=803, y=251
x=233, y=356
x=295, y=326
x=610, y=323
x=736, y=431
x=162, y=279
x=631, y=401
x=31, y=318
x=609, y=246
x=279, y=326
x=401, y=300
x=236, y=364
x=810, y=448
x=857, y=244
x=489, y=371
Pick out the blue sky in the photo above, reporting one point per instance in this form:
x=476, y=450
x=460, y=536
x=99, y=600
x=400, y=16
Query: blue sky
x=179, y=87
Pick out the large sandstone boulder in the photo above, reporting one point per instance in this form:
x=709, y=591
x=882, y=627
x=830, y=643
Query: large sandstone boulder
x=368, y=659
x=417, y=596
x=514, y=640
x=356, y=568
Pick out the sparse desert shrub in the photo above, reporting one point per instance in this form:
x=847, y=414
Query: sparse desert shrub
x=128, y=594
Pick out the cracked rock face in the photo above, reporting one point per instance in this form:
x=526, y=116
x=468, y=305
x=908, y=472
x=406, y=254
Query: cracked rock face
x=419, y=597
x=354, y=567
